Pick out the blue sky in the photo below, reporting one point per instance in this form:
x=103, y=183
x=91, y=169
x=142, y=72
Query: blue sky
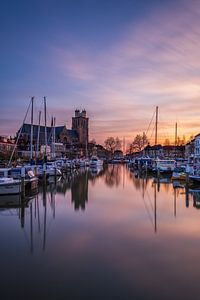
x=116, y=59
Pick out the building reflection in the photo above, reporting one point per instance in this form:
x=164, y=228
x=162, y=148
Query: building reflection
x=79, y=191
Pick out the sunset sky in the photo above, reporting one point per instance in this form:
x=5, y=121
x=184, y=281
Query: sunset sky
x=118, y=59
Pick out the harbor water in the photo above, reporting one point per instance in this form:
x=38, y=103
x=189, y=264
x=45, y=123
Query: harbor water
x=101, y=235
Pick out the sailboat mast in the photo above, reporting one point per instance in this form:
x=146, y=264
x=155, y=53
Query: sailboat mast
x=31, y=156
x=45, y=125
x=18, y=135
x=54, y=136
x=176, y=138
x=155, y=208
x=38, y=134
x=156, y=131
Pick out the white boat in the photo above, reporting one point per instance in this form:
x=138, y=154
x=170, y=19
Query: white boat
x=117, y=160
x=51, y=170
x=95, y=162
x=165, y=165
x=8, y=185
x=30, y=180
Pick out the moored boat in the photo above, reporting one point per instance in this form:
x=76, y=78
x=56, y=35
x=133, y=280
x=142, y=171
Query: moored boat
x=179, y=173
x=165, y=165
x=95, y=162
x=9, y=186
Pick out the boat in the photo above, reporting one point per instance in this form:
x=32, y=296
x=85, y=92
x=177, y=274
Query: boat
x=95, y=162
x=30, y=180
x=177, y=184
x=165, y=165
x=8, y=201
x=9, y=186
x=195, y=178
x=117, y=160
x=143, y=163
x=179, y=173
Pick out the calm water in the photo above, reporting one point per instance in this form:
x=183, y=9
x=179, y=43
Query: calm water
x=105, y=236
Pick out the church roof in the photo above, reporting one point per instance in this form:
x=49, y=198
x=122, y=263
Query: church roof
x=26, y=129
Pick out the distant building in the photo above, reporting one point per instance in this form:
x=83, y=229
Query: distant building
x=6, y=147
x=197, y=145
x=153, y=151
x=190, y=148
x=170, y=151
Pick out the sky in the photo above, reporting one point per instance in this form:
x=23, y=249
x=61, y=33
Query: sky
x=118, y=59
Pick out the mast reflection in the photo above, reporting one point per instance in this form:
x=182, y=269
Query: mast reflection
x=37, y=213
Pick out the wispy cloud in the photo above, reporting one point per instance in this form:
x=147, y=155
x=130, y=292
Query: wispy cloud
x=156, y=61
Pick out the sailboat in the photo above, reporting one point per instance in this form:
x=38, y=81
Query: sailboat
x=11, y=178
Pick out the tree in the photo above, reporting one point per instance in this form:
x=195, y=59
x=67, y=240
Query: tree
x=190, y=138
x=139, y=142
x=181, y=141
x=112, y=144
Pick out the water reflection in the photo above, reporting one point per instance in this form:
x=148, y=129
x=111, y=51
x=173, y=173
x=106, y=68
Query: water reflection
x=100, y=223
x=43, y=204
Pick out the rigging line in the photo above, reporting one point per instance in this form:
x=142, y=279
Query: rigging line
x=150, y=122
x=152, y=132
x=146, y=190
x=150, y=200
x=19, y=133
x=165, y=127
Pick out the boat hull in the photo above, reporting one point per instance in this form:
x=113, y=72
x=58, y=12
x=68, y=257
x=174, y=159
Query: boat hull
x=194, y=178
x=10, y=188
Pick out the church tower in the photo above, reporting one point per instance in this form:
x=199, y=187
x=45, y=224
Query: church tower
x=80, y=124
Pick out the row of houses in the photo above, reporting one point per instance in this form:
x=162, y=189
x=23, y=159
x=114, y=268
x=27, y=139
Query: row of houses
x=192, y=148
